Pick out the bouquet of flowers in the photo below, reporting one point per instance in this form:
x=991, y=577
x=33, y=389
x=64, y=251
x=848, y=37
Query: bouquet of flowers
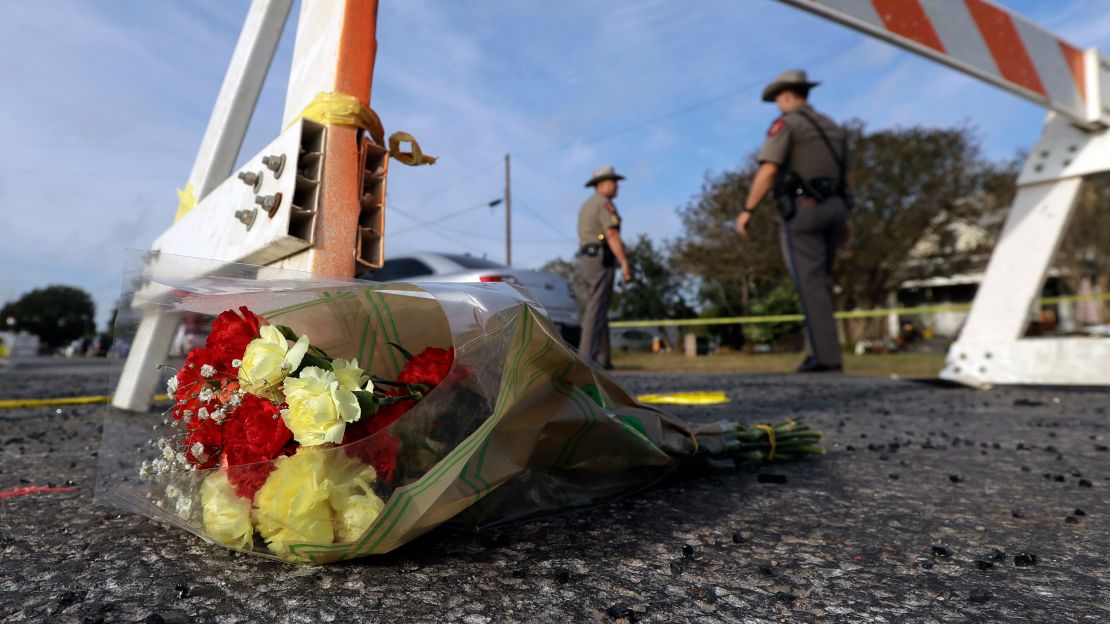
x=326, y=421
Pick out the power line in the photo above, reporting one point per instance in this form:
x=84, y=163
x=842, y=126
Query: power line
x=434, y=221
x=665, y=116
x=443, y=189
x=536, y=215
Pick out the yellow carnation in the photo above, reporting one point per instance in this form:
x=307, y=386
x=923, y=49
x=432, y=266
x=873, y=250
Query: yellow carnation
x=227, y=516
x=351, y=375
x=352, y=497
x=292, y=506
x=268, y=360
x=319, y=407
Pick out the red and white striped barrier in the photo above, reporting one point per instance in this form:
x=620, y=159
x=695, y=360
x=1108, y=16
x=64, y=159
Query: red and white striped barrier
x=989, y=42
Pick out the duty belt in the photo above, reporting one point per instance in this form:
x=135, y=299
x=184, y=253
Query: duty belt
x=590, y=249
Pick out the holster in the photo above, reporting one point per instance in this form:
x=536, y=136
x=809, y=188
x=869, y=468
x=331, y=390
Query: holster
x=787, y=207
x=593, y=250
x=786, y=193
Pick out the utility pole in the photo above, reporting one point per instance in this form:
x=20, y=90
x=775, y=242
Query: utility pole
x=508, y=217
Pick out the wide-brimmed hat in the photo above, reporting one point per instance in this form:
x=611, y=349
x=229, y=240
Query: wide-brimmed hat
x=604, y=173
x=786, y=80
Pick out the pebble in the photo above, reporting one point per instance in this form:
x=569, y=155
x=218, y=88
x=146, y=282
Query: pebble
x=784, y=596
x=996, y=555
x=941, y=551
x=738, y=538
x=687, y=551
x=979, y=596
x=928, y=565
x=617, y=612
x=1022, y=559
x=983, y=565
x=1017, y=513
x=181, y=590
x=1079, y=512
x=1071, y=520
x=769, y=477
x=1085, y=483
x=562, y=576
x=766, y=569
x=676, y=568
x=954, y=478
x=893, y=475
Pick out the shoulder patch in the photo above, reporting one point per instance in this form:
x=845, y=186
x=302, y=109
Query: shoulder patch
x=776, y=127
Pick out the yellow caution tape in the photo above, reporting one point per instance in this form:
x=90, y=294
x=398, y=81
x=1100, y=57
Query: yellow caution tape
x=770, y=439
x=685, y=398
x=334, y=108
x=851, y=314
x=413, y=158
x=88, y=400
x=186, y=200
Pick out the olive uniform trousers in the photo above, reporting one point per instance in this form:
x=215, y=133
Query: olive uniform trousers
x=594, y=343
x=809, y=243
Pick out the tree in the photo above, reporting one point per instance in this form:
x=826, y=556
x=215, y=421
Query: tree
x=56, y=314
x=1084, y=254
x=569, y=270
x=732, y=272
x=911, y=184
x=914, y=184
x=656, y=290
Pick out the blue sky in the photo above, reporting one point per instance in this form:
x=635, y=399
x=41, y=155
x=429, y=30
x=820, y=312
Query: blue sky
x=105, y=103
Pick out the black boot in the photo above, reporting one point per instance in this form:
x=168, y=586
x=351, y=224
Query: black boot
x=811, y=365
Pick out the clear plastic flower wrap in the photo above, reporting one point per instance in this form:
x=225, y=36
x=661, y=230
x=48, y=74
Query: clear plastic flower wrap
x=318, y=420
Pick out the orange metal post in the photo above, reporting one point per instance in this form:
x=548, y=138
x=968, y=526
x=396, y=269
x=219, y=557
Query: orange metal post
x=335, y=238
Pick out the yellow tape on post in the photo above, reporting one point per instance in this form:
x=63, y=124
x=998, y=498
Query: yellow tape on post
x=334, y=108
x=186, y=200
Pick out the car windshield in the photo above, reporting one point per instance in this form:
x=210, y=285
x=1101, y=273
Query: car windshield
x=471, y=262
x=399, y=269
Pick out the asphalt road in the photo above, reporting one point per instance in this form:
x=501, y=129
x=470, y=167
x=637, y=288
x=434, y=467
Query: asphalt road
x=982, y=476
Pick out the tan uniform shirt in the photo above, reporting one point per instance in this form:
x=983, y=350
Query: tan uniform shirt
x=793, y=143
x=597, y=215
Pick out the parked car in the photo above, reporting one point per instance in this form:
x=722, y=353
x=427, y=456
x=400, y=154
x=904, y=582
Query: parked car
x=100, y=345
x=78, y=347
x=627, y=339
x=551, y=291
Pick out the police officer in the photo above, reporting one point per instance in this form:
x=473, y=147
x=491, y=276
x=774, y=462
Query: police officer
x=599, y=252
x=804, y=160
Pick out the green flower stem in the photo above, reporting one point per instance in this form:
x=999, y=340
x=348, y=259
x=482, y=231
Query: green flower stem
x=793, y=440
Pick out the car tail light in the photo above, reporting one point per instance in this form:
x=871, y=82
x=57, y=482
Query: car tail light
x=508, y=279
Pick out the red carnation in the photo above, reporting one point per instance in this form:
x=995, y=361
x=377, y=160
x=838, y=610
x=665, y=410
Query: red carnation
x=429, y=367
x=210, y=436
x=255, y=432
x=230, y=335
x=380, y=450
x=253, y=435
x=189, y=379
x=249, y=478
